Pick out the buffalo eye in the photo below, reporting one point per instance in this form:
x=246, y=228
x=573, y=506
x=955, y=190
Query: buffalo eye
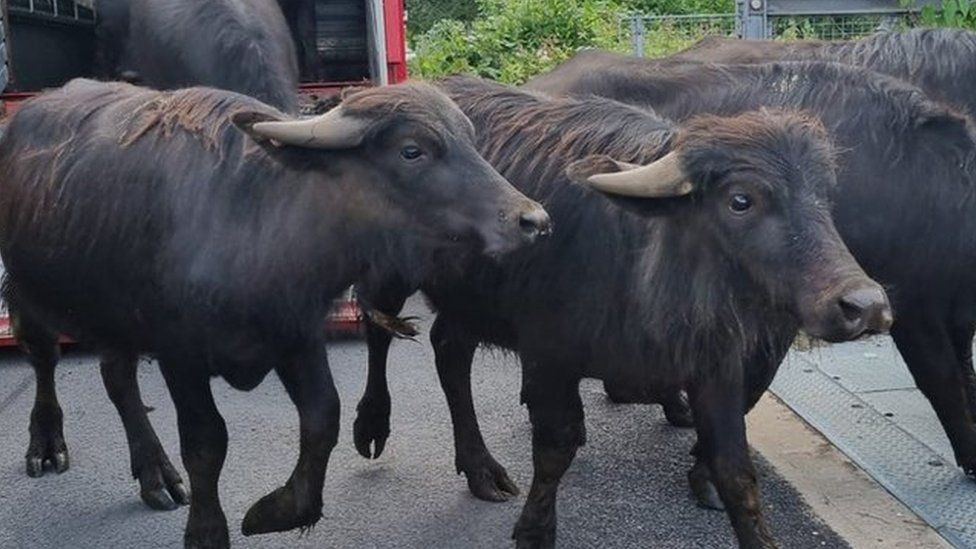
x=740, y=203
x=411, y=153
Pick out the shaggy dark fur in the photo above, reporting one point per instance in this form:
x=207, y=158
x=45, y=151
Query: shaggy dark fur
x=237, y=45
x=940, y=61
x=301, y=18
x=649, y=300
x=905, y=205
x=225, y=263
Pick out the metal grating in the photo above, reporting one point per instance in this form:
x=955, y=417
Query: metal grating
x=855, y=418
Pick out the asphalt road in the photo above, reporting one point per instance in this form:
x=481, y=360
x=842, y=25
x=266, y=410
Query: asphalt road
x=626, y=488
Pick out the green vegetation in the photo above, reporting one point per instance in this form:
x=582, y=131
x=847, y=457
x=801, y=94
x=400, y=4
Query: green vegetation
x=952, y=13
x=513, y=40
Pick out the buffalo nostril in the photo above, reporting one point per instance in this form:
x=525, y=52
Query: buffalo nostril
x=867, y=307
x=535, y=223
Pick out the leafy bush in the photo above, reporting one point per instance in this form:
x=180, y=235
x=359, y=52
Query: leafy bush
x=675, y=7
x=952, y=13
x=513, y=40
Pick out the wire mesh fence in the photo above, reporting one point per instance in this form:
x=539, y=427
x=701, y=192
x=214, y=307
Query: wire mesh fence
x=840, y=27
x=776, y=19
x=654, y=35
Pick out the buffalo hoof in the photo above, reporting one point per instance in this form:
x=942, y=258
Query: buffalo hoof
x=372, y=426
x=160, y=486
x=207, y=537
x=47, y=453
x=678, y=412
x=280, y=511
x=705, y=494
x=489, y=481
x=534, y=540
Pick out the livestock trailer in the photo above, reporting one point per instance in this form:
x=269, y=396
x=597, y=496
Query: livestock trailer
x=45, y=43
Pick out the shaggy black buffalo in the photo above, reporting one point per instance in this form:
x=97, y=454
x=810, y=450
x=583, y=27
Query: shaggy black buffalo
x=732, y=245
x=225, y=263
x=942, y=62
x=237, y=45
x=904, y=203
x=300, y=15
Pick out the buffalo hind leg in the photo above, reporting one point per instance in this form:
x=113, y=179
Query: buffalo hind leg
x=556, y=413
x=298, y=504
x=371, y=428
x=454, y=352
x=203, y=445
x=925, y=345
x=962, y=342
x=47, y=448
x=717, y=406
x=160, y=485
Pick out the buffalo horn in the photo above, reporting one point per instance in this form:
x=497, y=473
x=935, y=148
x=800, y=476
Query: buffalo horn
x=332, y=130
x=662, y=178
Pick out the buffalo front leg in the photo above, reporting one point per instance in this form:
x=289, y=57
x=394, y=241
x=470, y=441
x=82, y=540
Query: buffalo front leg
x=556, y=413
x=47, y=449
x=371, y=428
x=298, y=504
x=454, y=352
x=160, y=485
x=927, y=349
x=203, y=445
x=717, y=405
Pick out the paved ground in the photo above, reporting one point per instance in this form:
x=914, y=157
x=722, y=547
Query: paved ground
x=626, y=488
x=861, y=396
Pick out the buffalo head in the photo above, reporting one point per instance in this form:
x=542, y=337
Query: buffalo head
x=756, y=187
x=409, y=162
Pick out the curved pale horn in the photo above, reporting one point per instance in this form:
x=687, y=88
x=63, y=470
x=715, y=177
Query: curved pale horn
x=332, y=130
x=662, y=178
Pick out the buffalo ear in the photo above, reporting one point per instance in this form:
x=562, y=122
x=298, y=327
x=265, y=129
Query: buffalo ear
x=245, y=121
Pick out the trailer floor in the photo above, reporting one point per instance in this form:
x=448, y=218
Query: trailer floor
x=861, y=397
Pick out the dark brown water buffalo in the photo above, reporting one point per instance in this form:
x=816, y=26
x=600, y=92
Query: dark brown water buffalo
x=300, y=15
x=210, y=231
x=732, y=245
x=940, y=61
x=237, y=45
x=905, y=204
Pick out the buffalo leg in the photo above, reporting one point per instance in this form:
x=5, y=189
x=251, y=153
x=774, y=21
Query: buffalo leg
x=925, y=345
x=298, y=504
x=47, y=447
x=371, y=428
x=160, y=485
x=760, y=370
x=203, y=445
x=717, y=405
x=962, y=343
x=454, y=352
x=556, y=413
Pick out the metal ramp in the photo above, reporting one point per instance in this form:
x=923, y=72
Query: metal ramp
x=861, y=396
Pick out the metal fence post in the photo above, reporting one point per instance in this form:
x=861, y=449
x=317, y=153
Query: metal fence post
x=752, y=21
x=637, y=35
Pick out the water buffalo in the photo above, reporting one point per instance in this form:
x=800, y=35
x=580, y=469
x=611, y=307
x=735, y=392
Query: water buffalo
x=226, y=263
x=237, y=45
x=732, y=243
x=904, y=203
x=942, y=62
x=300, y=15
